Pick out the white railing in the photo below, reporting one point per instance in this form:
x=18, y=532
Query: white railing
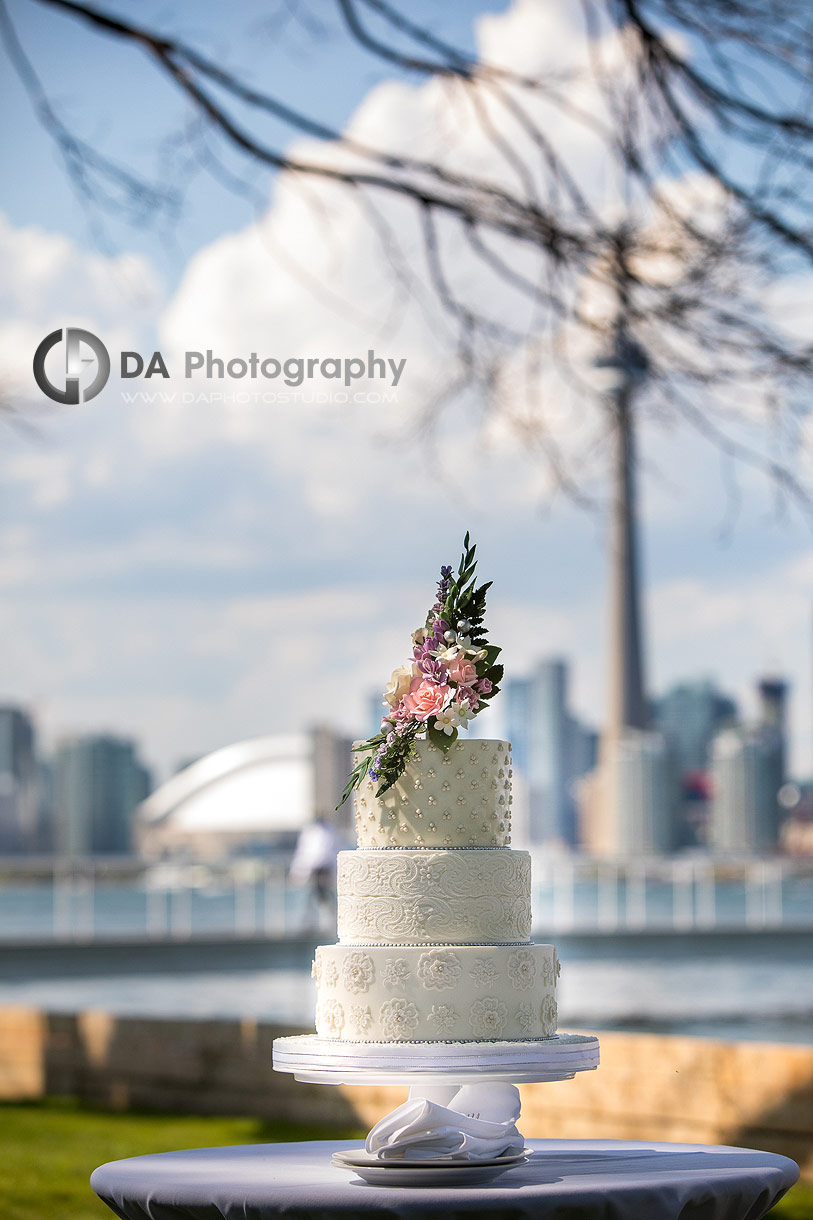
x=571, y=894
x=576, y=894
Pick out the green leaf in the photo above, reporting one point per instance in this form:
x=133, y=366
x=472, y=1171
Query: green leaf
x=492, y=652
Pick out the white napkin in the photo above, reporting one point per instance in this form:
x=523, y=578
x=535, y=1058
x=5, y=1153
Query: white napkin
x=477, y=1124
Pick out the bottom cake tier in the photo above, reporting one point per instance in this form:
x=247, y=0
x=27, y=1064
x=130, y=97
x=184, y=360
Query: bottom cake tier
x=459, y=993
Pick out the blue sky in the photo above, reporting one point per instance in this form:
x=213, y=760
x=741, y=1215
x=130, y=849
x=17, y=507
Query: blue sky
x=196, y=573
x=322, y=71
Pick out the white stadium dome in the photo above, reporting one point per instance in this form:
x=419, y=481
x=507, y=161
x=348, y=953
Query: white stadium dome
x=263, y=787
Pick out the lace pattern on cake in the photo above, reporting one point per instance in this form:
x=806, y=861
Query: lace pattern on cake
x=437, y=992
x=434, y=896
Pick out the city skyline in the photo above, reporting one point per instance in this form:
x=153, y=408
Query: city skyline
x=707, y=745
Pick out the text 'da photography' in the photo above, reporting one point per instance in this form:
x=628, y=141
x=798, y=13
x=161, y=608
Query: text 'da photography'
x=406, y=589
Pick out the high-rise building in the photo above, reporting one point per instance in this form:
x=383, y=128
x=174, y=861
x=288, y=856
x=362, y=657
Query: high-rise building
x=745, y=812
x=98, y=782
x=375, y=711
x=646, y=794
x=19, y=800
x=584, y=743
x=748, y=771
x=332, y=764
x=627, y=755
x=551, y=750
x=689, y=715
x=773, y=693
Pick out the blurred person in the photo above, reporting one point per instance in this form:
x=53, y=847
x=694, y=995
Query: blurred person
x=314, y=865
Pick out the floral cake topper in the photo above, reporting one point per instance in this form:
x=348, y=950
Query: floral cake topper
x=451, y=676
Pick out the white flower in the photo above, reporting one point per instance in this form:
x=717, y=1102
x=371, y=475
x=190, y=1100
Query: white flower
x=446, y=654
x=331, y=973
x=525, y=1018
x=448, y=720
x=360, y=1018
x=332, y=1018
x=484, y=972
x=443, y=1016
x=549, y=1016
x=522, y=969
x=487, y=1017
x=557, y=965
x=358, y=971
x=439, y=969
x=395, y=971
x=548, y=971
x=398, y=684
x=316, y=970
x=399, y=1018
x=464, y=714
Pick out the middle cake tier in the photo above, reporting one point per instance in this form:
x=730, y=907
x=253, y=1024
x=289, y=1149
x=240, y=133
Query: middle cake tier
x=434, y=896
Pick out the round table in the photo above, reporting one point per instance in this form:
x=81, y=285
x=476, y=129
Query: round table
x=630, y=1180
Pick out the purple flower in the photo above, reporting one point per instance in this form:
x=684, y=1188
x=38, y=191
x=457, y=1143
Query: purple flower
x=433, y=669
x=484, y=686
x=423, y=653
x=443, y=589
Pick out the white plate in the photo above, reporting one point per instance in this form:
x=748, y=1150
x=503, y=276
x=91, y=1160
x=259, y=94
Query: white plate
x=424, y=1173
x=359, y=1157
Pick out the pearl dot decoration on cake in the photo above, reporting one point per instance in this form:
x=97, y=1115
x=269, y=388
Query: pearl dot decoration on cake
x=475, y=788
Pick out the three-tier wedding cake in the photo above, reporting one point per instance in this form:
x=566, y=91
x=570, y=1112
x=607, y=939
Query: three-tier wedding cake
x=434, y=911
x=434, y=906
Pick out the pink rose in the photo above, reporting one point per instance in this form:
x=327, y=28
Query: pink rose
x=425, y=698
x=461, y=671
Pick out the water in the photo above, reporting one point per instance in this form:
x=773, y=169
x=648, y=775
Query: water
x=740, y=986
x=737, y=989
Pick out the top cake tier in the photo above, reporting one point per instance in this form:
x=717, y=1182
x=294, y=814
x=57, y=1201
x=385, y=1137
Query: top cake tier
x=455, y=798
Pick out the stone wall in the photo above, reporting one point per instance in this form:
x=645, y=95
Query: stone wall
x=648, y=1086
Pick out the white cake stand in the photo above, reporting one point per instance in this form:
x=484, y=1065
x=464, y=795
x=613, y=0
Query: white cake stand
x=425, y=1067
x=434, y=1071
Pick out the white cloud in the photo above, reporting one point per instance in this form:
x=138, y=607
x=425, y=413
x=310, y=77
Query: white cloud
x=48, y=282
x=195, y=572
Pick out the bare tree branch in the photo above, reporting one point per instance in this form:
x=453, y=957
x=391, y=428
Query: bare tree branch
x=685, y=96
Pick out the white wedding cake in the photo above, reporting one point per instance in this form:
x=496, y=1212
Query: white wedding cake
x=434, y=912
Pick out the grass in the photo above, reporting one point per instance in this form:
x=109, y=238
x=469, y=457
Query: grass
x=49, y=1148
x=796, y=1205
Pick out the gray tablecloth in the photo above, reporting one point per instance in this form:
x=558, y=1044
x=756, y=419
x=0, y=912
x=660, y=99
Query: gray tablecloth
x=565, y=1179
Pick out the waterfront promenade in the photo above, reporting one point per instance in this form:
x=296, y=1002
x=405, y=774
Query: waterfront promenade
x=125, y=902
